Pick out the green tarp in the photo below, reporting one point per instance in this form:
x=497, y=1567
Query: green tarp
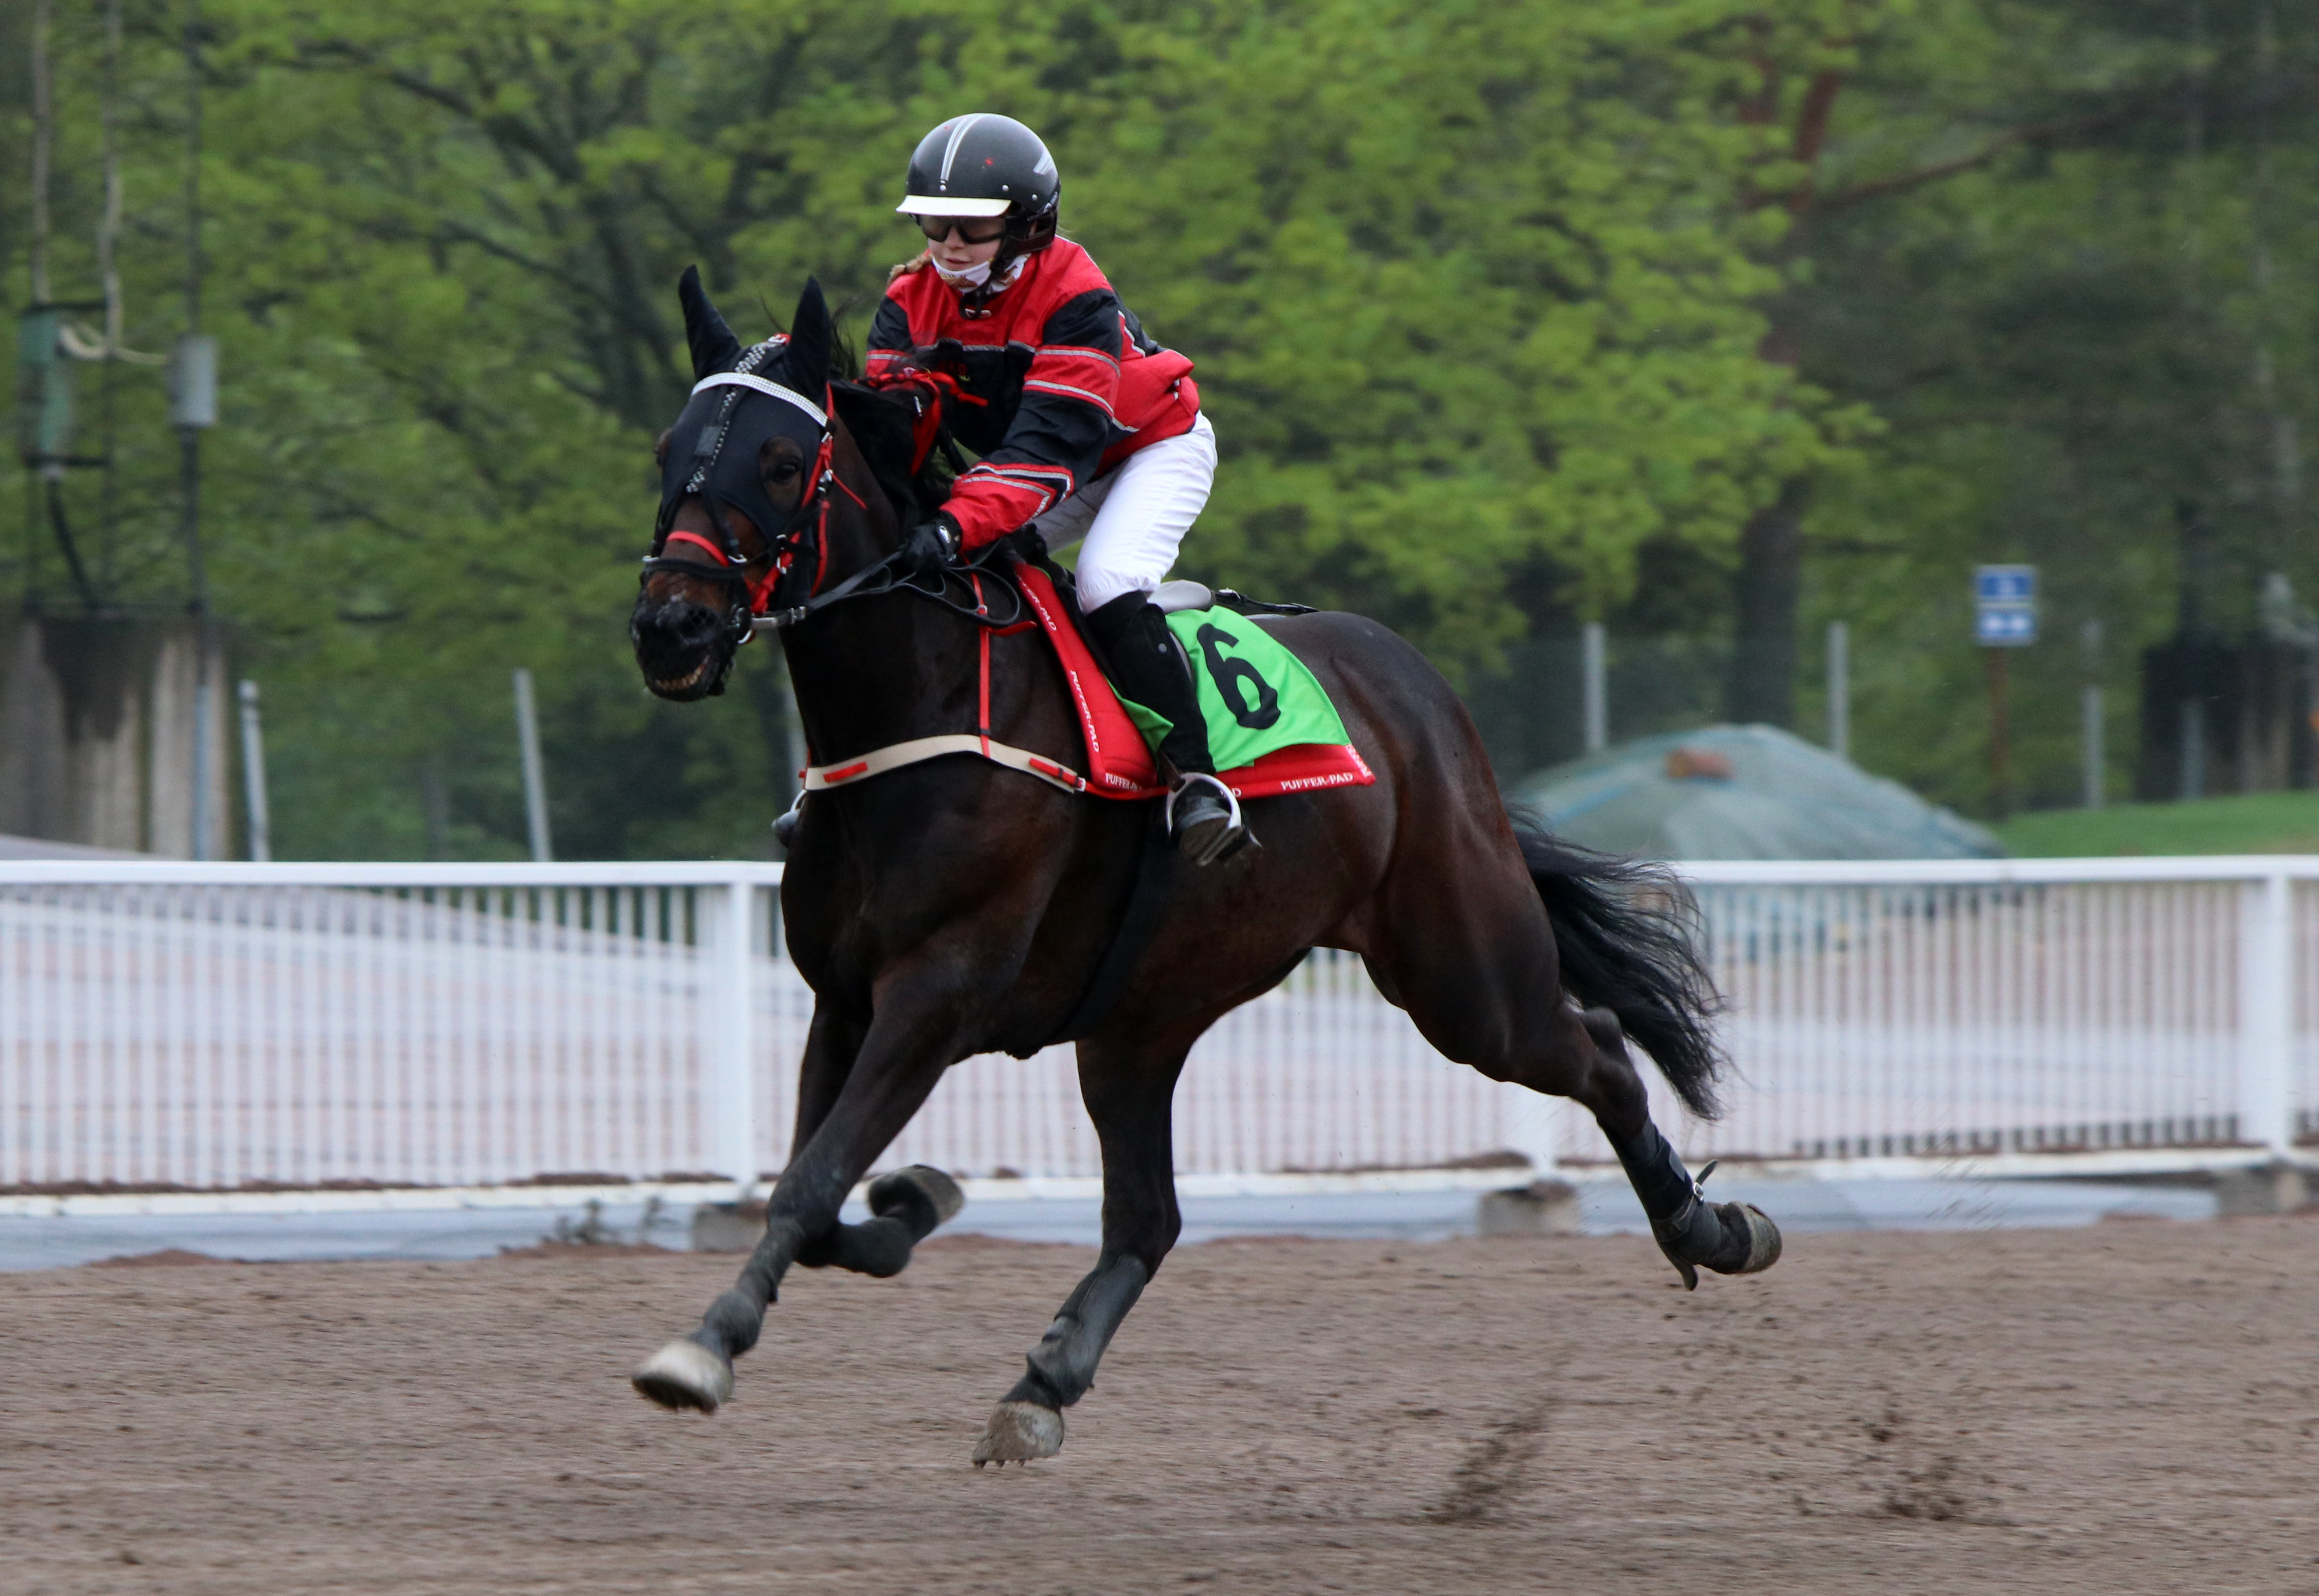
x=1741, y=792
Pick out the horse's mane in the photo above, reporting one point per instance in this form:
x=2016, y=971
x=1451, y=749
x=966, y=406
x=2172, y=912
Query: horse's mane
x=884, y=426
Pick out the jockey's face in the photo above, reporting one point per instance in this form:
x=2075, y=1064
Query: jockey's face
x=955, y=251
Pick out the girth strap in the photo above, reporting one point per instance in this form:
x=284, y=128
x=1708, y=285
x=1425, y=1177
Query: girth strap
x=893, y=755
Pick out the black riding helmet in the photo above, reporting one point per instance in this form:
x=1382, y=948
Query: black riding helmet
x=985, y=165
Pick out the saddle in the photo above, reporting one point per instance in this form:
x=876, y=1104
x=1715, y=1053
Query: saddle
x=1246, y=678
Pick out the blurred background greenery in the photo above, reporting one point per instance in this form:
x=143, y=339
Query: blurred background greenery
x=1710, y=321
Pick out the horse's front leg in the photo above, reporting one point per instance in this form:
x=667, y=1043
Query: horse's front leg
x=903, y=1052
x=907, y=1205
x=1128, y=1087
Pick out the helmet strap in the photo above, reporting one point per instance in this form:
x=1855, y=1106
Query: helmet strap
x=1025, y=236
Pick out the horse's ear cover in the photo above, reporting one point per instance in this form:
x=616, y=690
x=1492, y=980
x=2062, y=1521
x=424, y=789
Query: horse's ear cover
x=811, y=336
x=714, y=347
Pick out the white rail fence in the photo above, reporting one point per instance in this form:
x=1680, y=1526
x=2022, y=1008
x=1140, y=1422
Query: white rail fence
x=212, y=1026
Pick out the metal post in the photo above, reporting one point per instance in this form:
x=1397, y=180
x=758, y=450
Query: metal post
x=1595, y=670
x=2194, y=749
x=535, y=771
x=2090, y=712
x=253, y=777
x=732, y=1016
x=2000, y=735
x=2091, y=720
x=202, y=818
x=2267, y=1016
x=193, y=406
x=1839, y=689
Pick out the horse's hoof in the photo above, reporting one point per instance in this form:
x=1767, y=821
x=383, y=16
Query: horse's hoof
x=1018, y=1432
x=896, y=1188
x=1763, y=1238
x=685, y=1374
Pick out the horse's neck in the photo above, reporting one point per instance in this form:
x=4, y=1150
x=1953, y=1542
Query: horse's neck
x=875, y=673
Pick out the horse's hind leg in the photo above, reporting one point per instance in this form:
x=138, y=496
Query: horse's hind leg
x=1728, y=1238
x=1480, y=971
x=1128, y=1087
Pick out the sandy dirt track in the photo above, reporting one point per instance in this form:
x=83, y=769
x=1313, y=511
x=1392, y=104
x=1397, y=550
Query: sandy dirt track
x=2132, y=1407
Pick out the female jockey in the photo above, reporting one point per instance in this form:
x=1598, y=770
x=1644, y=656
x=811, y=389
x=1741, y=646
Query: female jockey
x=1084, y=427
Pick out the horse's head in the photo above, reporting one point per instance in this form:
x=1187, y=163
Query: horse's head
x=743, y=494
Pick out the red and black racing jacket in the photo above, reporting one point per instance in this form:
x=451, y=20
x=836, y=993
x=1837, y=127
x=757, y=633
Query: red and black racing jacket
x=1060, y=382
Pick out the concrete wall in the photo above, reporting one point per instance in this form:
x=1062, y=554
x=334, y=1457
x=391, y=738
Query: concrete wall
x=96, y=732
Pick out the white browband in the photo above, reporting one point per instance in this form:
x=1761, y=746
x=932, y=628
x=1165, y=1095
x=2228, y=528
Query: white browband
x=767, y=386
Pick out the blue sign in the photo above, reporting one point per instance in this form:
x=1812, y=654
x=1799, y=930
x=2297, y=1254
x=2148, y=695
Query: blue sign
x=2004, y=605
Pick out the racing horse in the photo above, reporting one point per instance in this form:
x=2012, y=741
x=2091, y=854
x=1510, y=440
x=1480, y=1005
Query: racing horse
x=954, y=906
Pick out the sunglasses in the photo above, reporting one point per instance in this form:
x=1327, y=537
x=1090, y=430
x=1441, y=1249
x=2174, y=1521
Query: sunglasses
x=972, y=230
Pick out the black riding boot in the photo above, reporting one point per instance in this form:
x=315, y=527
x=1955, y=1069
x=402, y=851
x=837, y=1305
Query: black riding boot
x=1147, y=665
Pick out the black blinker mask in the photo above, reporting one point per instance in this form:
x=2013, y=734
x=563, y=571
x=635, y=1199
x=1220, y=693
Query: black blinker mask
x=714, y=447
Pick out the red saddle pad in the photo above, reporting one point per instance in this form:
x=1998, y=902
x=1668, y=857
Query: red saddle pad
x=1119, y=762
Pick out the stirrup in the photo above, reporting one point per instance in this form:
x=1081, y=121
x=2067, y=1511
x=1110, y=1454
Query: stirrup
x=785, y=828
x=1230, y=838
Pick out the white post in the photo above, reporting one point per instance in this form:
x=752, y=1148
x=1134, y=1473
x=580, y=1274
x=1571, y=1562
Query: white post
x=253, y=777
x=2267, y=1016
x=534, y=773
x=732, y=1014
x=1595, y=670
x=1839, y=689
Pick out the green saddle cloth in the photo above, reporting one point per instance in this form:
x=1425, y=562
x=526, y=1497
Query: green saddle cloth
x=1255, y=696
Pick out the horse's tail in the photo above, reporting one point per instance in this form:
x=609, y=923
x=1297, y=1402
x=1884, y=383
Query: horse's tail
x=1624, y=931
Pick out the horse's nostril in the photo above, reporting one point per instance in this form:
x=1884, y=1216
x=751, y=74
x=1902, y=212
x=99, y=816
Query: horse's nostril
x=676, y=627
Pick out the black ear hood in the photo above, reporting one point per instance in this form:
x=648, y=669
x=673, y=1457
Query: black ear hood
x=714, y=447
x=812, y=335
x=714, y=347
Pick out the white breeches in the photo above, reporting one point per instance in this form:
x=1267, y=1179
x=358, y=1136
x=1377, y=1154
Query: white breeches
x=1134, y=518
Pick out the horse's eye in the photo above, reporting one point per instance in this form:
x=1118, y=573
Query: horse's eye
x=782, y=471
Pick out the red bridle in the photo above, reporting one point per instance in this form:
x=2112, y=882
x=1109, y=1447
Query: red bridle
x=760, y=588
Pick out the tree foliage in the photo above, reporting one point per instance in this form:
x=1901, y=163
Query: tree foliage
x=2064, y=259
x=1474, y=287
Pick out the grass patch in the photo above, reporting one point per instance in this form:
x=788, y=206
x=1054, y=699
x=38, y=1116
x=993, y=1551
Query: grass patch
x=2251, y=823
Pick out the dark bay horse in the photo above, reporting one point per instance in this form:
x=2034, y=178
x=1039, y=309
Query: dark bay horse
x=954, y=906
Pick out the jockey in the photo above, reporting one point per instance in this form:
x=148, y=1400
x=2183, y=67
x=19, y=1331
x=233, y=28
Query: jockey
x=1086, y=427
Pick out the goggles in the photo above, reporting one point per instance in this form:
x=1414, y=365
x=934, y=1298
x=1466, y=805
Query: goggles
x=972, y=229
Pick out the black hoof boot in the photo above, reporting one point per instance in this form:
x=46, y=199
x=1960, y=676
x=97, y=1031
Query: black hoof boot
x=920, y=1197
x=1751, y=1241
x=1728, y=1238
x=1203, y=819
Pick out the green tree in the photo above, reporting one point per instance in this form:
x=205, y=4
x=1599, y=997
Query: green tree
x=2056, y=257
x=1475, y=290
